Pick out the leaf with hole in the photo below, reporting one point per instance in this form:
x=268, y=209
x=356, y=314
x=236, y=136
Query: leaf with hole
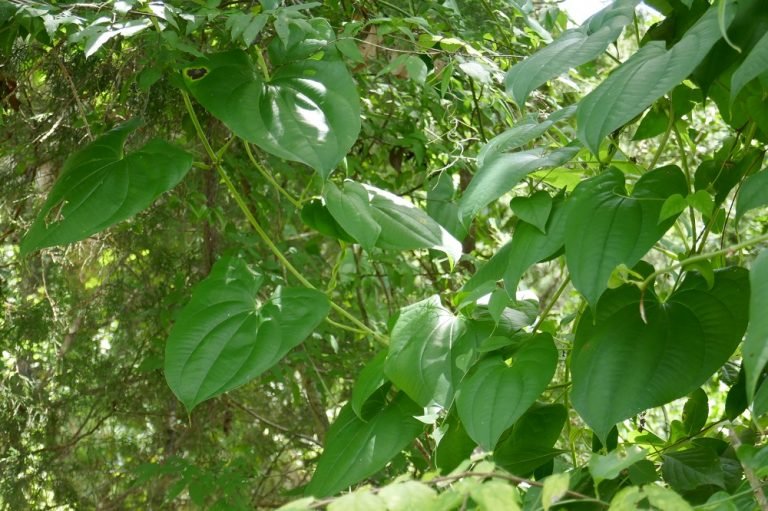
x=223, y=339
x=625, y=362
x=622, y=228
x=100, y=186
x=308, y=111
x=494, y=395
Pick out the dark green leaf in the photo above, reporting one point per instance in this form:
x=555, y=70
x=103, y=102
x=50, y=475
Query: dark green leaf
x=694, y=467
x=534, y=209
x=420, y=349
x=370, y=380
x=623, y=365
x=99, y=186
x=573, y=48
x=351, y=209
x=501, y=172
x=695, y=412
x=355, y=449
x=530, y=442
x=495, y=395
x=222, y=339
x=755, y=349
x=455, y=446
x=308, y=111
x=755, y=64
x=646, y=76
x=753, y=193
x=622, y=229
x=315, y=214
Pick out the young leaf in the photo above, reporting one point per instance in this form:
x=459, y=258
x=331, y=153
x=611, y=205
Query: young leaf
x=621, y=228
x=222, y=340
x=308, y=111
x=534, y=209
x=573, y=48
x=530, y=442
x=407, y=496
x=356, y=449
x=495, y=395
x=755, y=349
x=99, y=186
x=420, y=352
x=624, y=363
x=501, y=172
x=642, y=79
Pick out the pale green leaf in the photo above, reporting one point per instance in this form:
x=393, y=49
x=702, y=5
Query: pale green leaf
x=665, y=499
x=495, y=496
x=642, y=79
x=672, y=207
x=555, y=486
x=611, y=465
x=408, y=496
x=99, y=186
x=357, y=501
x=755, y=349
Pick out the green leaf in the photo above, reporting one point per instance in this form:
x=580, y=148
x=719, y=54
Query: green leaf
x=665, y=499
x=308, y=111
x=573, y=48
x=642, y=79
x=755, y=349
x=495, y=495
x=702, y=202
x=611, y=465
x=527, y=247
x=672, y=207
x=455, y=446
x=622, y=365
x=99, y=186
x=534, y=209
x=529, y=444
x=622, y=229
x=555, y=486
x=500, y=173
x=407, y=496
x=627, y=499
x=351, y=208
x=753, y=193
x=420, y=352
x=695, y=412
x=357, y=500
x=222, y=339
x=755, y=64
x=697, y=466
x=315, y=215
x=355, y=449
x=495, y=395
x=406, y=227
x=370, y=380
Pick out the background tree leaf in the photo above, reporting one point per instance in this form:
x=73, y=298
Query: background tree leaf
x=623, y=365
x=99, y=186
x=355, y=449
x=495, y=395
x=308, y=111
x=621, y=228
x=222, y=340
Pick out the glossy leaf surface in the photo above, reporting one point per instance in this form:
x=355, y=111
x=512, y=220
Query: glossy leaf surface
x=100, y=186
x=223, y=339
x=623, y=365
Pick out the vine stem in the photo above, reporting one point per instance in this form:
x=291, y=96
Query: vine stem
x=362, y=327
x=551, y=303
x=269, y=177
x=702, y=257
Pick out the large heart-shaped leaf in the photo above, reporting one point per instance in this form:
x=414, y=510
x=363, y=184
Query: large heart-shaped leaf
x=607, y=228
x=99, y=186
x=573, y=48
x=375, y=217
x=755, y=349
x=420, y=358
x=356, y=449
x=308, y=111
x=643, y=78
x=500, y=173
x=530, y=442
x=222, y=339
x=495, y=395
x=623, y=365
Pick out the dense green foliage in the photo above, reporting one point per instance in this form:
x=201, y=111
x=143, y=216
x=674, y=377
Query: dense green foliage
x=383, y=255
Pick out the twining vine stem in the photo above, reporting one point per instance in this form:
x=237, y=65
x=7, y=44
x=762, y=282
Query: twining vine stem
x=360, y=326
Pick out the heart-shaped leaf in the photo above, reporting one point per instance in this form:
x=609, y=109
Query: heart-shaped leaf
x=573, y=48
x=534, y=209
x=642, y=79
x=308, y=111
x=495, y=395
x=621, y=229
x=356, y=449
x=622, y=365
x=99, y=186
x=420, y=360
x=222, y=339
